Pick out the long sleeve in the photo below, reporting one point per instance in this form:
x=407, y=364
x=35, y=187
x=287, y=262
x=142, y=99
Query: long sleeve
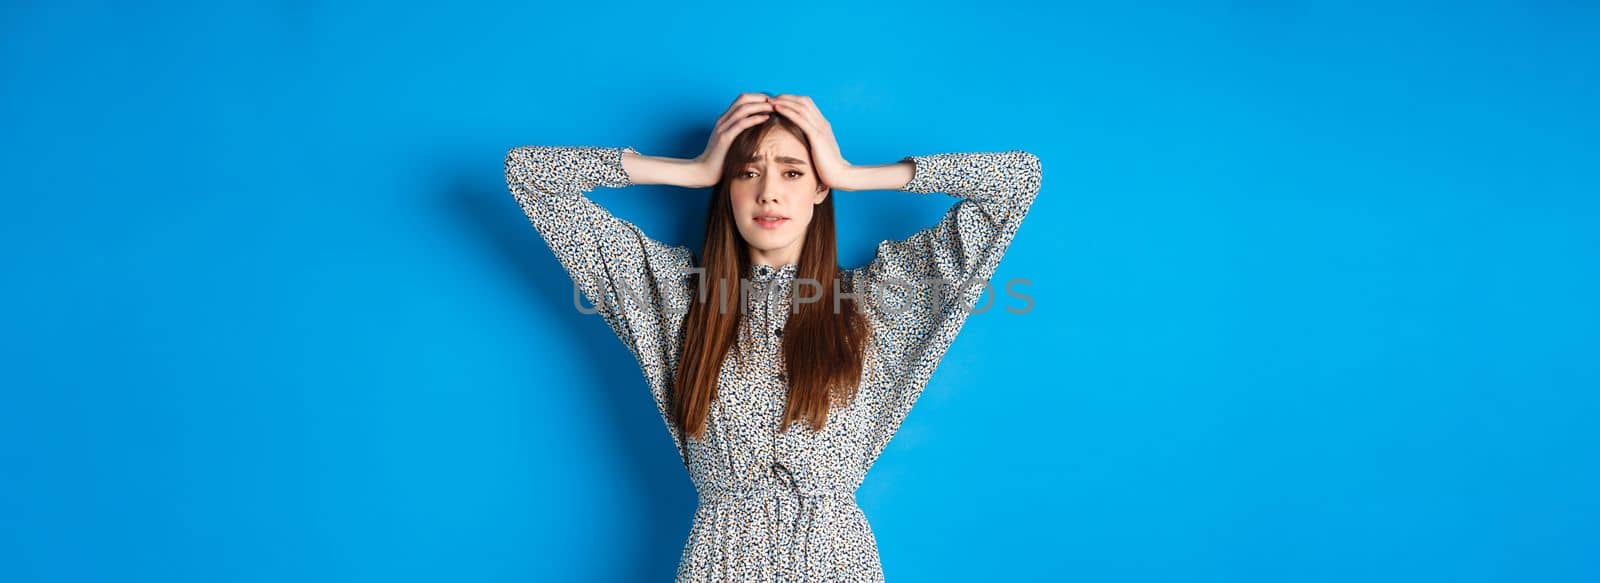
x=638, y=285
x=918, y=291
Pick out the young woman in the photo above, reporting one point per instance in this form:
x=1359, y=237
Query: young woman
x=780, y=376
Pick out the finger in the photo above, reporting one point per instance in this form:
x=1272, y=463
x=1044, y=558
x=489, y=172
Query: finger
x=795, y=113
x=727, y=134
x=721, y=141
x=749, y=121
x=743, y=98
x=741, y=112
x=746, y=97
x=799, y=120
x=750, y=110
x=804, y=103
x=786, y=108
x=798, y=103
x=809, y=111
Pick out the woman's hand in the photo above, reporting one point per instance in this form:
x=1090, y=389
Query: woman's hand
x=832, y=169
x=746, y=110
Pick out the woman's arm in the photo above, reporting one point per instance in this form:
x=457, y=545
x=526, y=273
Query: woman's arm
x=703, y=171
x=995, y=189
x=629, y=277
x=919, y=291
x=638, y=285
x=682, y=172
x=877, y=177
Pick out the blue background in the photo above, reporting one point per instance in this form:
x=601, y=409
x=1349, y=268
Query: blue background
x=1314, y=287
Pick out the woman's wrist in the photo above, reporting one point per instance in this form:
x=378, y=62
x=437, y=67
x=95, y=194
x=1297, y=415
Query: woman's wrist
x=643, y=169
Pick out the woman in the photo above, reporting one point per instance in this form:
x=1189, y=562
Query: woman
x=780, y=376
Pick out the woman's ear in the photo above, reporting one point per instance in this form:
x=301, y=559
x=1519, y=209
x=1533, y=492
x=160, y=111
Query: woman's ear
x=821, y=195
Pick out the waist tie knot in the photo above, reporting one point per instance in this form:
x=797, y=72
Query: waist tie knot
x=782, y=486
x=761, y=491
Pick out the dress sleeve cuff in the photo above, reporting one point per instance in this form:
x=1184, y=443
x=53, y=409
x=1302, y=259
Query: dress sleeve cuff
x=919, y=175
x=612, y=174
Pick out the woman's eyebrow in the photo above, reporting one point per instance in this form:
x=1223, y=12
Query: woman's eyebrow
x=782, y=159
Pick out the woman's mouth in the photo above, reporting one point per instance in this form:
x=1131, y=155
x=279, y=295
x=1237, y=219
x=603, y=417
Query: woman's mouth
x=770, y=222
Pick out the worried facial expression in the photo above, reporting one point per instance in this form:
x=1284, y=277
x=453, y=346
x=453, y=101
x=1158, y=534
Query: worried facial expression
x=774, y=194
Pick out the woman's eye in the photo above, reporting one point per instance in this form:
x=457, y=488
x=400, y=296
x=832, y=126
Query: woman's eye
x=748, y=173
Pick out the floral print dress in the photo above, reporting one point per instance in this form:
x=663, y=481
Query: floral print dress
x=780, y=505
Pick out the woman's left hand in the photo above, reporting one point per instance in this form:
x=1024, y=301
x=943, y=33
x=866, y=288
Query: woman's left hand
x=832, y=169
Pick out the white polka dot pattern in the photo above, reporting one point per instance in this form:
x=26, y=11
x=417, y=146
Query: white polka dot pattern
x=780, y=505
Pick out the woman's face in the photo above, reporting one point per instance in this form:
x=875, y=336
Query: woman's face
x=773, y=196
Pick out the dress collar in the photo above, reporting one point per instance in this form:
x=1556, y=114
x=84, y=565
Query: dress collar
x=762, y=272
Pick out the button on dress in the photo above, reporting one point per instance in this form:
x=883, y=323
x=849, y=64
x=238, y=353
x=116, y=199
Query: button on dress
x=780, y=505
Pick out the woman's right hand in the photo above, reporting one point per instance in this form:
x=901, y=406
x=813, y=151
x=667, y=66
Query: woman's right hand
x=747, y=110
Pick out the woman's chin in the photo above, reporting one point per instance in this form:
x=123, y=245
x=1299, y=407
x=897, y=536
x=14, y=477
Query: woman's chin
x=766, y=241
x=766, y=246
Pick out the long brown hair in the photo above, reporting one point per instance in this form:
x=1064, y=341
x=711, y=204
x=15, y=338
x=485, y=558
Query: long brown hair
x=822, y=349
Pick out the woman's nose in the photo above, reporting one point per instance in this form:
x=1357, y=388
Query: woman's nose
x=771, y=184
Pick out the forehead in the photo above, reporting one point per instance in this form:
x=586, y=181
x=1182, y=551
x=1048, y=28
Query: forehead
x=781, y=147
